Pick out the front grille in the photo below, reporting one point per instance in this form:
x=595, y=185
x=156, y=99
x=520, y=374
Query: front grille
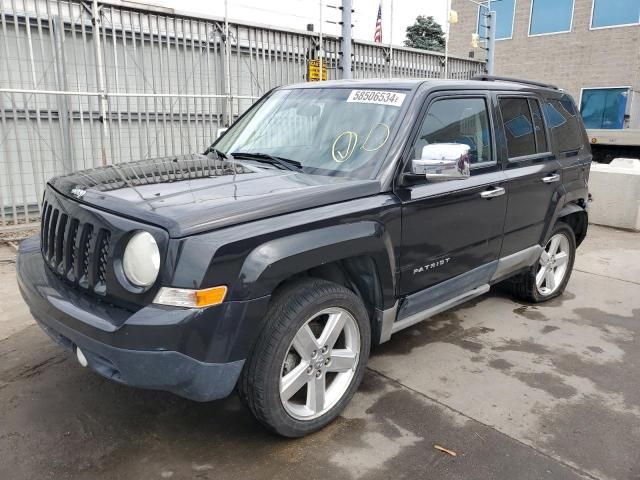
x=74, y=250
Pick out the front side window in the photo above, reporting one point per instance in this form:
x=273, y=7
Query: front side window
x=613, y=13
x=550, y=16
x=328, y=131
x=604, y=107
x=457, y=120
x=504, y=18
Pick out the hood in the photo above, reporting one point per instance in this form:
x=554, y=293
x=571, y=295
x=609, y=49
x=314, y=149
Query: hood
x=193, y=193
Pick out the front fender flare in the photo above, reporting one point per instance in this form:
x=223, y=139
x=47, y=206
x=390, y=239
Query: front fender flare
x=276, y=260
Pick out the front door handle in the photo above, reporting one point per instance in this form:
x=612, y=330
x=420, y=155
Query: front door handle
x=494, y=192
x=551, y=178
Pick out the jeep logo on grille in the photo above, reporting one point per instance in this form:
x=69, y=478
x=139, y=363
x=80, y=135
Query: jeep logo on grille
x=78, y=192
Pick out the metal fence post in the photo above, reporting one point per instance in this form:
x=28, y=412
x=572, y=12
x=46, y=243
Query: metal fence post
x=227, y=63
x=64, y=113
x=96, y=22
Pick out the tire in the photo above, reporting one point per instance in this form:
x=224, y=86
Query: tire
x=526, y=286
x=285, y=348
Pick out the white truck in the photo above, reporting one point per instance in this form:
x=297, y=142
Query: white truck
x=609, y=144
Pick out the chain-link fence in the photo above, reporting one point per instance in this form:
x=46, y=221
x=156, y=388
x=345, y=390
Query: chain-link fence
x=85, y=84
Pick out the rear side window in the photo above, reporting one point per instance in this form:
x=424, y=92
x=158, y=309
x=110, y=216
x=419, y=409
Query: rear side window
x=562, y=118
x=538, y=125
x=518, y=127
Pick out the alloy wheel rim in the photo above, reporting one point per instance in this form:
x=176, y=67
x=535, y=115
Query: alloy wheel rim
x=553, y=265
x=320, y=363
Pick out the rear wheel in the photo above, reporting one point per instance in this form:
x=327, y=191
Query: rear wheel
x=549, y=276
x=310, y=358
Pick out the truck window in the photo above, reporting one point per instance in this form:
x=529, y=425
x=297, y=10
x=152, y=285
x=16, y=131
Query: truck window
x=457, y=120
x=562, y=118
x=518, y=127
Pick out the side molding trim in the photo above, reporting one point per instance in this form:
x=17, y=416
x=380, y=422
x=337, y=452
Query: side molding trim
x=430, y=312
x=514, y=262
x=387, y=318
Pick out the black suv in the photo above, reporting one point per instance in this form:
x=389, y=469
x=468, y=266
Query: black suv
x=329, y=217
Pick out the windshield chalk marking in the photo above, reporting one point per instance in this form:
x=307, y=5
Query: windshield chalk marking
x=351, y=146
x=364, y=144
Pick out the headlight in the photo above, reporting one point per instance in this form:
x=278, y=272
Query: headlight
x=141, y=262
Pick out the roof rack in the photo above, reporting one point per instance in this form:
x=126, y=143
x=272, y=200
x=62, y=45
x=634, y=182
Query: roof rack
x=493, y=78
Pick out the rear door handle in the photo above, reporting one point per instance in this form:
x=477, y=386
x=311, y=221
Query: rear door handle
x=551, y=178
x=494, y=192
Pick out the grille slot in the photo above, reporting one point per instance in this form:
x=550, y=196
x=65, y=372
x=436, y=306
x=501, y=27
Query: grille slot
x=43, y=226
x=85, y=254
x=58, y=246
x=52, y=234
x=45, y=231
x=70, y=249
x=103, y=255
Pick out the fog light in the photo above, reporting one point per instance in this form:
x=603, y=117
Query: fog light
x=81, y=358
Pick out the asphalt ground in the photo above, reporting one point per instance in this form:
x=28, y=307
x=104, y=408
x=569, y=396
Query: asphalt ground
x=516, y=391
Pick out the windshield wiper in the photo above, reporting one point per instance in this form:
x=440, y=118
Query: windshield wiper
x=273, y=160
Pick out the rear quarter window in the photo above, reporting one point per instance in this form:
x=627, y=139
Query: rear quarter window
x=561, y=116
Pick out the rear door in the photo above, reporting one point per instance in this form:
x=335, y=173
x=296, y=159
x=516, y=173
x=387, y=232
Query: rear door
x=449, y=228
x=532, y=170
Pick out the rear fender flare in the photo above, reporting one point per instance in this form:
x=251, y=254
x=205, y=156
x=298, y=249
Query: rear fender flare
x=567, y=206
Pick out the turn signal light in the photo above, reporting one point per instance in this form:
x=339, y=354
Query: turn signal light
x=185, y=297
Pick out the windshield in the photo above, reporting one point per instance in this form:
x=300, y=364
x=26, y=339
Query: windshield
x=328, y=131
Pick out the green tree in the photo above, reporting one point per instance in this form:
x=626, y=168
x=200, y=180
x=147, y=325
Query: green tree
x=426, y=34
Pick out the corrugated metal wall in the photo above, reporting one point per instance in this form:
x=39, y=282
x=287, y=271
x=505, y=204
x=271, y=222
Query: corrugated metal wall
x=153, y=85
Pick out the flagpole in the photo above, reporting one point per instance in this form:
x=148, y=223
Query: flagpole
x=391, y=40
x=446, y=43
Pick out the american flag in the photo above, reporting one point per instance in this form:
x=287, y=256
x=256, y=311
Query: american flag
x=377, y=37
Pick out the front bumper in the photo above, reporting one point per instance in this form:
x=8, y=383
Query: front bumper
x=194, y=353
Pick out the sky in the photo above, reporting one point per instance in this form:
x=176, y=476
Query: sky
x=298, y=13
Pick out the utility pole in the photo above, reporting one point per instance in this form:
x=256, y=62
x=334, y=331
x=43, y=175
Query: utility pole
x=391, y=39
x=345, y=46
x=490, y=19
x=491, y=41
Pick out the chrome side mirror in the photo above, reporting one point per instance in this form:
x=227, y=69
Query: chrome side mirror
x=443, y=161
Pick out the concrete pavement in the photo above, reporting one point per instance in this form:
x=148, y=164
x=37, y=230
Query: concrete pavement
x=517, y=391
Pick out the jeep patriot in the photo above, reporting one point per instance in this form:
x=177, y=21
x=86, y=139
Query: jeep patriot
x=326, y=219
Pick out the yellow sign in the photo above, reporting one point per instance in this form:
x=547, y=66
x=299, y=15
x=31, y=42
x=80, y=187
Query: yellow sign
x=313, y=71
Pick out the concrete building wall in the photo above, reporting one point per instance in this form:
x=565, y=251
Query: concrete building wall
x=582, y=58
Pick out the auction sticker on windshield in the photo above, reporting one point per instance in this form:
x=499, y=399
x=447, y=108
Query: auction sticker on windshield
x=380, y=97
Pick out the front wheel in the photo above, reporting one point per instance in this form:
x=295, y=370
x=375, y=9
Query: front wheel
x=549, y=276
x=309, y=359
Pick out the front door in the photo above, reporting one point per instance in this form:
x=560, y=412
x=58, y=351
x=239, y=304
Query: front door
x=453, y=228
